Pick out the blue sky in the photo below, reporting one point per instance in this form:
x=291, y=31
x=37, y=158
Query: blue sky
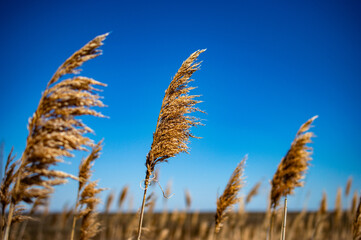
x=269, y=66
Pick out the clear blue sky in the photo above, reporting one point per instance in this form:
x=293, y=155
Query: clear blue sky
x=269, y=66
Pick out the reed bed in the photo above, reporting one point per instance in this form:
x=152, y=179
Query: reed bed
x=174, y=225
x=56, y=131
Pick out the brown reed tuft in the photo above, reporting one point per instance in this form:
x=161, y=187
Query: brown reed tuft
x=253, y=192
x=172, y=131
x=354, y=202
x=229, y=196
x=109, y=202
x=87, y=199
x=323, y=206
x=293, y=166
x=188, y=199
x=173, y=125
x=348, y=186
x=338, y=206
x=54, y=130
x=356, y=227
x=7, y=181
x=122, y=196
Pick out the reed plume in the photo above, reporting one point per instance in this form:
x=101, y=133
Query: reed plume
x=122, y=196
x=5, y=188
x=293, y=166
x=108, y=202
x=323, y=206
x=348, y=186
x=2, y=146
x=354, y=203
x=253, y=192
x=291, y=170
x=338, y=206
x=55, y=131
x=229, y=196
x=356, y=227
x=172, y=131
x=87, y=199
x=188, y=199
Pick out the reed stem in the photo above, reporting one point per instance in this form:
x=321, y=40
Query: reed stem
x=283, y=230
x=10, y=216
x=270, y=230
x=146, y=184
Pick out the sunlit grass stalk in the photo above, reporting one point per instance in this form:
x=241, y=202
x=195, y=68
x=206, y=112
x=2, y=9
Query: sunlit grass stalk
x=229, y=196
x=291, y=170
x=283, y=230
x=86, y=197
x=55, y=131
x=173, y=125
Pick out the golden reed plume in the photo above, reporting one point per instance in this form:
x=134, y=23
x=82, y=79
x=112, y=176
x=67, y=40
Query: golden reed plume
x=55, y=131
x=122, y=196
x=229, y=196
x=253, y=192
x=87, y=199
x=348, y=186
x=290, y=172
x=293, y=166
x=173, y=125
x=354, y=203
x=323, y=205
x=356, y=228
x=172, y=131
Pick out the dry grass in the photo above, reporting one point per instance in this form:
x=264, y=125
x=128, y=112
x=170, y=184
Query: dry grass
x=323, y=206
x=290, y=171
x=293, y=166
x=229, y=196
x=173, y=125
x=356, y=227
x=55, y=131
x=354, y=202
x=172, y=132
x=253, y=192
x=87, y=199
x=348, y=186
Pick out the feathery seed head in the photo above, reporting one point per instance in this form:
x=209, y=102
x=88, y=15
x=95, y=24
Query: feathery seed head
x=54, y=130
x=338, y=205
x=253, y=192
x=323, y=205
x=356, y=228
x=354, y=202
x=173, y=126
x=348, y=186
x=188, y=199
x=88, y=196
x=291, y=170
x=123, y=195
x=229, y=196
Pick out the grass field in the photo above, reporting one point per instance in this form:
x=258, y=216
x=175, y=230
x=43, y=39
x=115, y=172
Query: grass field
x=196, y=226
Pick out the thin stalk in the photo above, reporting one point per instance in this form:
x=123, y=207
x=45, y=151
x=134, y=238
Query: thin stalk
x=270, y=230
x=283, y=230
x=74, y=217
x=3, y=220
x=16, y=185
x=75, y=212
x=22, y=230
x=73, y=228
x=10, y=216
x=146, y=183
